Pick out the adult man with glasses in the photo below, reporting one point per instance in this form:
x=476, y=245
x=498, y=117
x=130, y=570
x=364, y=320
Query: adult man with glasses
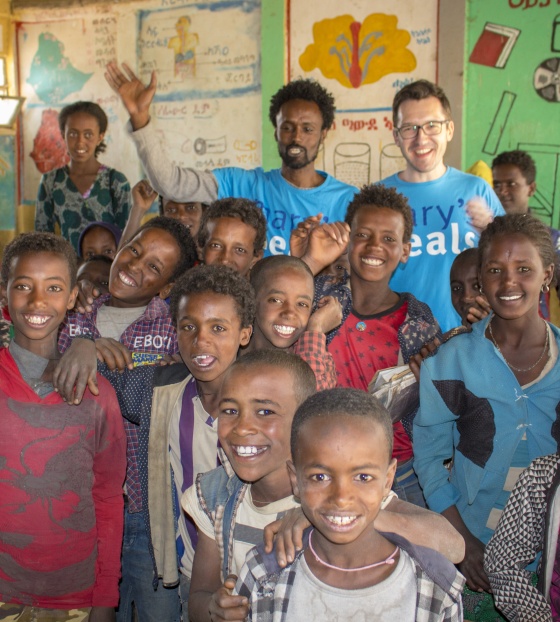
x=450, y=208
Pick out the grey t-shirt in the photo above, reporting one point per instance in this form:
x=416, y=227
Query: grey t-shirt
x=31, y=367
x=312, y=600
x=113, y=321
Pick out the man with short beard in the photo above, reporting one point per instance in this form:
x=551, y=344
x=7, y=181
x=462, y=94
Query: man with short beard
x=301, y=112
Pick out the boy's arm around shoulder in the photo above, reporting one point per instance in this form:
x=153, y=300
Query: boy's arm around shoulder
x=109, y=469
x=422, y=527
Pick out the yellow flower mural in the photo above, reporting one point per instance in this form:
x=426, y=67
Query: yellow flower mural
x=355, y=53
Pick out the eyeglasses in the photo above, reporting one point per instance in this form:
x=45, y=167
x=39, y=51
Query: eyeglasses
x=430, y=128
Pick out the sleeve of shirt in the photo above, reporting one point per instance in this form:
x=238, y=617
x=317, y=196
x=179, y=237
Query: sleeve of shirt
x=44, y=208
x=492, y=200
x=433, y=443
x=120, y=192
x=515, y=544
x=134, y=389
x=191, y=505
x=173, y=182
x=312, y=348
x=109, y=470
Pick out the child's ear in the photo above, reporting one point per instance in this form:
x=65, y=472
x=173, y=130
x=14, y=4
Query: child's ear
x=164, y=293
x=406, y=252
x=71, y=299
x=532, y=188
x=245, y=335
x=390, y=477
x=293, y=478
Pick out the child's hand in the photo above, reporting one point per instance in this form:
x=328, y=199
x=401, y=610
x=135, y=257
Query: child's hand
x=327, y=316
x=76, y=370
x=479, y=213
x=87, y=292
x=286, y=536
x=300, y=235
x=102, y=614
x=416, y=359
x=224, y=606
x=480, y=311
x=472, y=566
x=114, y=354
x=143, y=196
x=134, y=95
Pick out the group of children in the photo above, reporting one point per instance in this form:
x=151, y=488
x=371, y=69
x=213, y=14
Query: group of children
x=232, y=396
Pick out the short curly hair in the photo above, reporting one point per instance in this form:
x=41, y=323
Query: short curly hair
x=91, y=108
x=245, y=210
x=378, y=195
x=521, y=159
x=216, y=280
x=421, y=89
x=263, y=268
x=334, y=403
x=525, y=224
x=35, y=242
x=308, y=90
x=187, y=248
x=303, y=377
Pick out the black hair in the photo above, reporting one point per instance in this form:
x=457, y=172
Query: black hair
x=91, y=108
x=262, y=269
x=341, y=402
x=162, y=200
x=525, y=224
x=303, y=377
x=35, y=242
x=421, y=89
x=246, y=210
x=308, y=90
x=521, y=159
x=469, y=254
x=378, y=195
x=187, y=248
x=217, y=280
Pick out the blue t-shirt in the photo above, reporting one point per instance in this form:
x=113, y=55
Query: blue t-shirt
x=441, y=231
x=284, y=205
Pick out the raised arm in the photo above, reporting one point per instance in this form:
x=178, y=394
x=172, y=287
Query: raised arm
x=168, y=179
x=143, y=196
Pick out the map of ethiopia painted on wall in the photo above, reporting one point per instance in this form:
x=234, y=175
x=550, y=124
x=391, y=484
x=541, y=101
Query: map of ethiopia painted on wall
x=52, y=75
x=356, y=53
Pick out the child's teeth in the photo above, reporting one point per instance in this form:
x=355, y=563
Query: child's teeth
x=247, y=450
x=341, y=520
x=284, y=330
x=36, y=319
x=202, y=360
x=372, y=262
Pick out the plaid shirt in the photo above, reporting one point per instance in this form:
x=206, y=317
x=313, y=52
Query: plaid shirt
x=312, y=348
x=268, y=587
x=151, y=336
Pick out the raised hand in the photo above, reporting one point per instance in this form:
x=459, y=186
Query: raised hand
x=135, y=96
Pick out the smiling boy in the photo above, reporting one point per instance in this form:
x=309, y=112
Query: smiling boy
x=61, y=467
x=342, y=472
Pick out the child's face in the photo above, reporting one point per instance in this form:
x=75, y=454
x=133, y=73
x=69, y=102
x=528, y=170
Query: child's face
x=209, y=332
x=98, y=241
x=342, y=473
x=39, y=294
x=188, y=213
x=376, y=243
x=464, y=286
x=254, y=423
x=338, y=268
x=143, y=268
x=97, y=272
x=231, y=243
x=283, y=306
x=82, y=135
x=512, y=275
x=512, y=188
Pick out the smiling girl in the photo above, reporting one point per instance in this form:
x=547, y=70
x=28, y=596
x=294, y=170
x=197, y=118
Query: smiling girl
x=84, y=190
x=490, y=398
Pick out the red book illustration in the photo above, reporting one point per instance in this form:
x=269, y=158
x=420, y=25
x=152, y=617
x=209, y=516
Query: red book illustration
x=494, y=45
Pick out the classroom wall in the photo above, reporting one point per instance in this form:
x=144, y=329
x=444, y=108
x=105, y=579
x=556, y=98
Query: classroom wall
x=215, y=113
x=512, y=89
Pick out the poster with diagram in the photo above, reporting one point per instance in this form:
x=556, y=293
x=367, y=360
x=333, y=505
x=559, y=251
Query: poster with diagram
x=363, y=52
